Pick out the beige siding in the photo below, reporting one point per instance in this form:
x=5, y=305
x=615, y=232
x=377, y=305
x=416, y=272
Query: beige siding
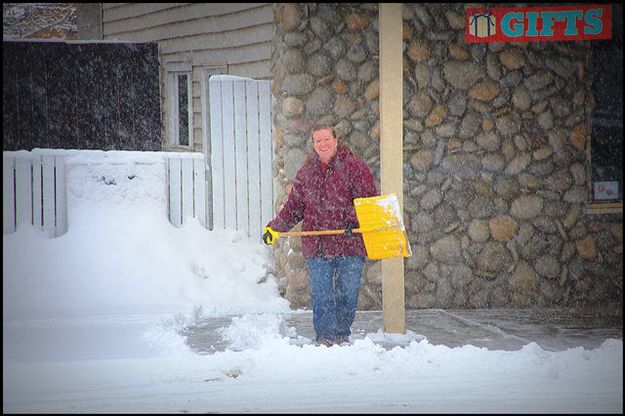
x=178, y=22
x=236, y=35
x=221, y=40
x=118, y=11
x=154, y=14
x=240, y=55
x=256, y=70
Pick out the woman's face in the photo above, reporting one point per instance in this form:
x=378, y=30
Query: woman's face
x=325, y=144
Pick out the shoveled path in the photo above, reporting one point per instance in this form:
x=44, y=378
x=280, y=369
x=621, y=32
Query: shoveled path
x=495, y=329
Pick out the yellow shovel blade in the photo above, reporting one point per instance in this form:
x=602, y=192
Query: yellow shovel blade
x=382, y=227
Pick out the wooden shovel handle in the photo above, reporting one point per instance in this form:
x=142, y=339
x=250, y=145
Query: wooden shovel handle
x=333, y=232
x=319, y=232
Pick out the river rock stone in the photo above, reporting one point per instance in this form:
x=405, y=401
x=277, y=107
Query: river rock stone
x=447, y=250
x=526, y=207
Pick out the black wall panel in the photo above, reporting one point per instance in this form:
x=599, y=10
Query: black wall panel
x=80, y=96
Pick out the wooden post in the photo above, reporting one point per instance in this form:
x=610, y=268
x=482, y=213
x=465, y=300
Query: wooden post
x=391, y=153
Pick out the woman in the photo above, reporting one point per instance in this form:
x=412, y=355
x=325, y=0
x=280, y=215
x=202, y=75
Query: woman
x=322, y=198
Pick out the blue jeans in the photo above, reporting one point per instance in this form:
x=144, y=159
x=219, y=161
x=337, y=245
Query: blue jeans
x=334, y=287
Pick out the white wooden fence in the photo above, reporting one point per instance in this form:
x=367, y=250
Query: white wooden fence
x=33, y=191
x=186, y=188
x=241, y=153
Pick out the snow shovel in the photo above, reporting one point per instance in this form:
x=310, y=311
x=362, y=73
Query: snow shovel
x=381, y=226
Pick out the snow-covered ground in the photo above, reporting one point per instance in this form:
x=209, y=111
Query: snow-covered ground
x=92, y=321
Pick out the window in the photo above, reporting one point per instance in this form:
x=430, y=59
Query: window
x=179, y=111
x=606, y=141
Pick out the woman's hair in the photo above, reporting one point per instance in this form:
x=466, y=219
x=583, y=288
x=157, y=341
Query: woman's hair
x=322, y=126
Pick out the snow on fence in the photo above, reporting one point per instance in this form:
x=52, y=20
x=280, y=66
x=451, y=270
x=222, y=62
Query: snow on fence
x=34, y=189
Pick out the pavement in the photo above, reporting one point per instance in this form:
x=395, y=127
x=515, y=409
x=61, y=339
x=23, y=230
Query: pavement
x=553, y=329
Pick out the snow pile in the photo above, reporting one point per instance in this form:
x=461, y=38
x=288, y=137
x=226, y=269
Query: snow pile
x=92, y=323
x=121, y=252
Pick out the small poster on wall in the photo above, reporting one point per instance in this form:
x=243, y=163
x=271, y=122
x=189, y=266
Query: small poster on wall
x=606, y=190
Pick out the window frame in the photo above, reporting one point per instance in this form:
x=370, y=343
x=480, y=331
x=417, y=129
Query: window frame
x=601, y=206
x=174, y=70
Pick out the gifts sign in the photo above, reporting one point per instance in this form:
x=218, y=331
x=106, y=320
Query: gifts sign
x=536, y=24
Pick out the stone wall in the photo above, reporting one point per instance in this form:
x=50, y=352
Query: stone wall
x=495, y=167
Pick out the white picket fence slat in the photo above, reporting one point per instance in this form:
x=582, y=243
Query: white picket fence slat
x=175, y=196
x=186, y=178
x=216, y=157
x=8, y=195
x=199, y=191
x=37, y=196
x=229, y=166
x=240, y=159
x=241, y=153
x=253, y=158
x=23, y=191
x=48, y=199
x=60, y=206
x=266, y=153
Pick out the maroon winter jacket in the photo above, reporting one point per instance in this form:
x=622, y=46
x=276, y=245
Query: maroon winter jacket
x=323, y=199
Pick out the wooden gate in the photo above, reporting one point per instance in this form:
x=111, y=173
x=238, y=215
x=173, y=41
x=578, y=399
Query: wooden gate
x=240, y=154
